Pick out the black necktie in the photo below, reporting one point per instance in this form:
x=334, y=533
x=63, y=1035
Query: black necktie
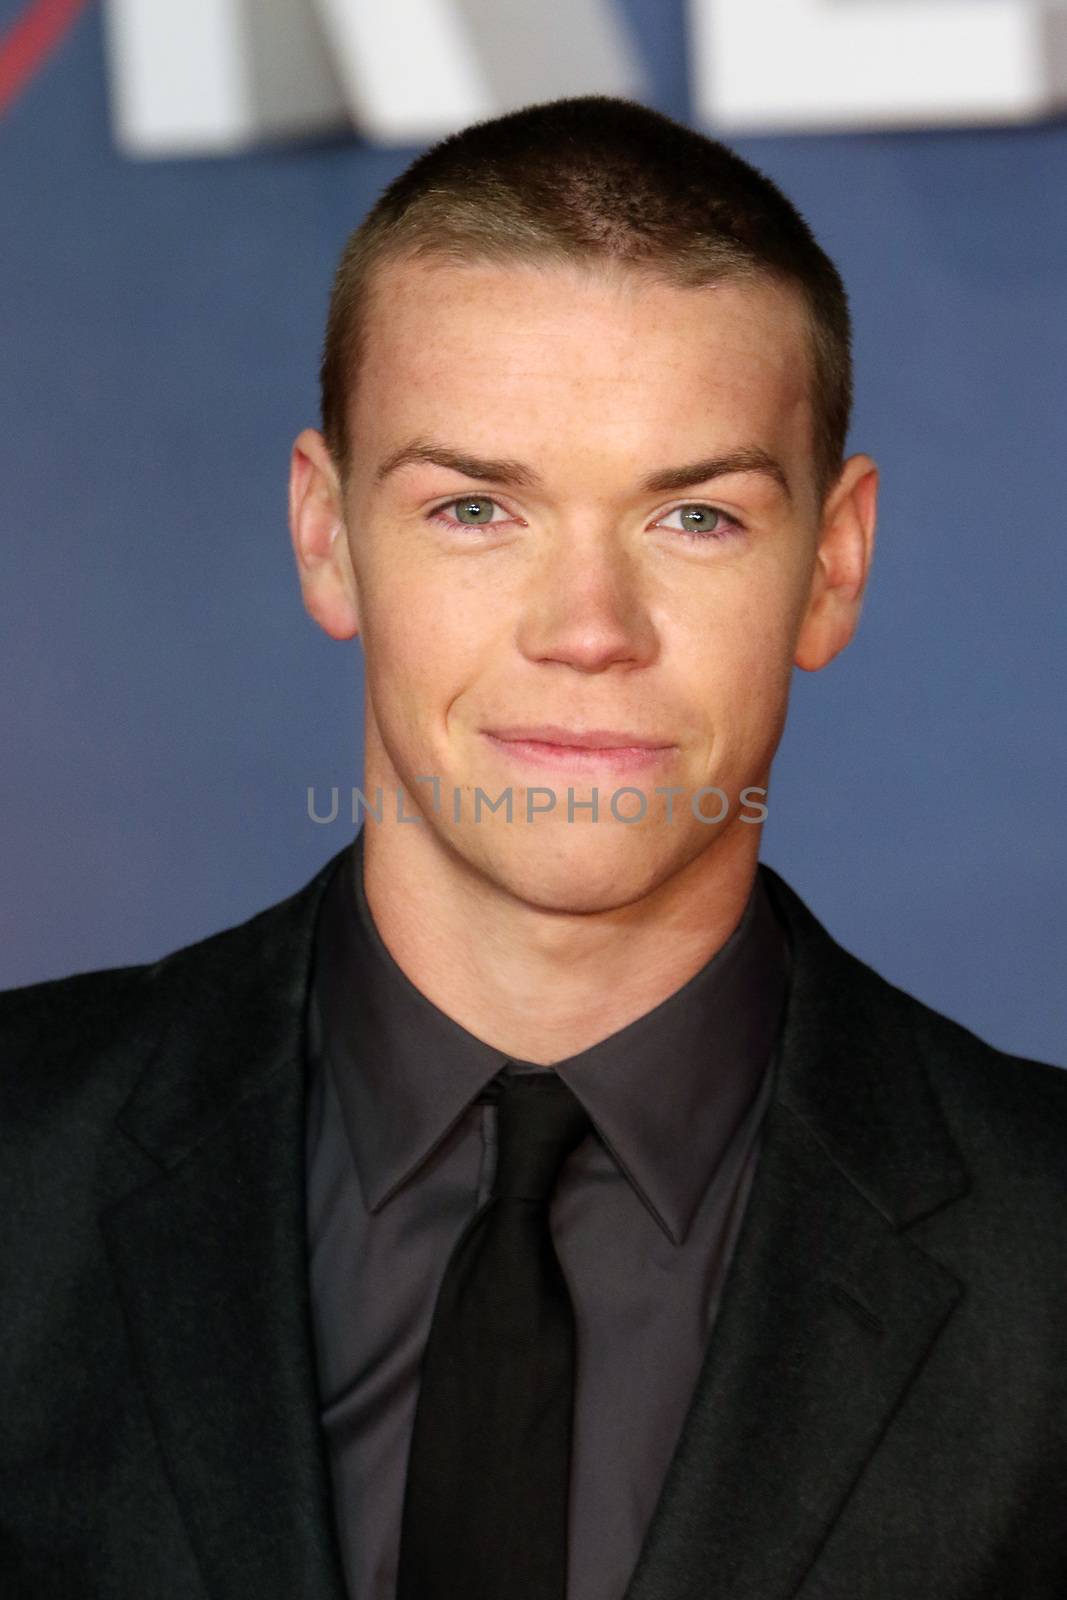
x=485, y=1508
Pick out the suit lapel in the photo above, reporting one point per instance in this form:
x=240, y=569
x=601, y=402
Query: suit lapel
x=209, y=1255
x=830, y=1309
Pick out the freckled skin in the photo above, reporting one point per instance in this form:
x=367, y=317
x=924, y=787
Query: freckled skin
x=582, y=604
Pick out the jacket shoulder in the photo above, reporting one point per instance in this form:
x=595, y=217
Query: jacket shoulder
x=876, y=1055
x=91, y=1032
x=1006, y=1107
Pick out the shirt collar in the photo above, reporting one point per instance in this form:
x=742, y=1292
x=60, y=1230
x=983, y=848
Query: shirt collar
x=665, y=1093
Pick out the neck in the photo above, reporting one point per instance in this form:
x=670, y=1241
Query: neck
x=541, y=984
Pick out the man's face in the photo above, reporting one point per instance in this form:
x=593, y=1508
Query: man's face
x=545, y=571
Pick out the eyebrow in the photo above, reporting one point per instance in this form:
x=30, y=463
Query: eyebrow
x=515, y=474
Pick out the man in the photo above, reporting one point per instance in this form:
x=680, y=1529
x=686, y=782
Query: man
x=540, y=1203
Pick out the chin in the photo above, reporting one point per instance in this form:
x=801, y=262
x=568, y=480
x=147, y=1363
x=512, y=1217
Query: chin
x=575, y=868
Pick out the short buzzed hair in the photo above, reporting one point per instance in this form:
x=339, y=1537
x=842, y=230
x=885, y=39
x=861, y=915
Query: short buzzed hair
x=594, y=180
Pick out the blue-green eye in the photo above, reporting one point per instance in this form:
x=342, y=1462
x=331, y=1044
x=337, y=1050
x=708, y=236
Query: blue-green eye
x=700, y=521
x=470, y=510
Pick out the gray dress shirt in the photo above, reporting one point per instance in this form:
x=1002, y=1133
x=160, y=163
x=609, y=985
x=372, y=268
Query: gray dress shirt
x=400, y=1153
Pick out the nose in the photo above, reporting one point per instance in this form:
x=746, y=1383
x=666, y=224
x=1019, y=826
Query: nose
x=586, y=606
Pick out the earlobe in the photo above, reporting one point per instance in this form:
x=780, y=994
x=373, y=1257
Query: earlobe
x=320, y=541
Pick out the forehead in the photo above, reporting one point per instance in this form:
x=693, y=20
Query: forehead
x=527, y=351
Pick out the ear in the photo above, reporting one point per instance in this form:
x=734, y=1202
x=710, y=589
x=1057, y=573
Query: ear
x=842, y=565
x=320, y=541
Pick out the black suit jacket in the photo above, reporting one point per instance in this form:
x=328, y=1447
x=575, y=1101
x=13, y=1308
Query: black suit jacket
x=882, y=1412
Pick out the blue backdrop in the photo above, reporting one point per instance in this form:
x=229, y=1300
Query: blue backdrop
x=167, y=703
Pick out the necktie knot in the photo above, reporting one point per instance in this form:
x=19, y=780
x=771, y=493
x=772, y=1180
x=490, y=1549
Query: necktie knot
x=539, y=1122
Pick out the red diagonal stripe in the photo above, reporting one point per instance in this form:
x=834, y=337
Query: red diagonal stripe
x=30, y=40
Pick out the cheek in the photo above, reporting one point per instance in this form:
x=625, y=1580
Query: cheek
x=738, y=625
x=429, y=614
x=736, y=655
x=421, y=646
